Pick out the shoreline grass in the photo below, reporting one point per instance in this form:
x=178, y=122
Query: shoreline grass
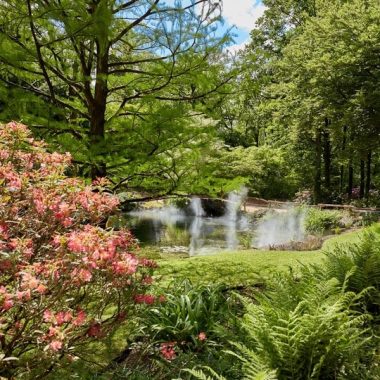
x=246, y=267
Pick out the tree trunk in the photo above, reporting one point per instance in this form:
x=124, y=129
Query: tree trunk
x=362, y=179
x=350, y=179
x=342, y=166
x=327, y=155
x=368, y=177
x=318, y=164
x=98, y=119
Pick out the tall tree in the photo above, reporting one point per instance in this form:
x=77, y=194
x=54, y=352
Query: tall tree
x=104, y=60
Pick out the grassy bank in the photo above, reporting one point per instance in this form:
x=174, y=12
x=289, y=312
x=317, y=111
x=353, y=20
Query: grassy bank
x=245, y=267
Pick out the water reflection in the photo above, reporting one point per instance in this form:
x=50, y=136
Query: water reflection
x=190, y=234
x=173, y=231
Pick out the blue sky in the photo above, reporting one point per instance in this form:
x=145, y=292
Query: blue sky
x=243, y=15
x=239, y=14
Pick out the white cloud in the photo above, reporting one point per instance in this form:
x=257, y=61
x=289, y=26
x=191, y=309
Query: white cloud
x=242, y=13
x=236, y=48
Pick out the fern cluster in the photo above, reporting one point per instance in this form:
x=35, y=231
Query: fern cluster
x=321, y=324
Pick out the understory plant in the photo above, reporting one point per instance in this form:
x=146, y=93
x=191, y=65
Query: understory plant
x=310, y=332
x=192, y=324
x=319, y=324
x=318, y=221
x=65, y=282
x=357, y=266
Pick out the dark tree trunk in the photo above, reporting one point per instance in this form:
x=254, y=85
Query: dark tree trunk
x=98, y=120
x=362, y=179
x=327, y=155
x=368, y=177
x=350, y=179
x=342, y=166
x=318, y=164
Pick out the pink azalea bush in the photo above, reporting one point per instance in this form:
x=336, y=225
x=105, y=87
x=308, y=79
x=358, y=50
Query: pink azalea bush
x=64, y=281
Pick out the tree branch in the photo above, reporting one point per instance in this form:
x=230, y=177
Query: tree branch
x=39, y=54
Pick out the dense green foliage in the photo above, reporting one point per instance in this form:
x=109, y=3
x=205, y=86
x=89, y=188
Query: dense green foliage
x=318, y=221
x=319, y=324
x=158, y=106
x=119, y=84
x=308, y=93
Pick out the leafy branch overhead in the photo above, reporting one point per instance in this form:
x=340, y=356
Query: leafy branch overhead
x=103, y=60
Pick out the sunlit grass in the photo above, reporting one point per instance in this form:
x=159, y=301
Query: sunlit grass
x=245, y=267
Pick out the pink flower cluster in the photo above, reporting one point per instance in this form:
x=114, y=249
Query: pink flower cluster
x=57, y=265
x=148, y=299
x=167, y=350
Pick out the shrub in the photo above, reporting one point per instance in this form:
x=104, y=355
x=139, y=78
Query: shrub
x=319, y=221
x=64, y=282
x=311, y=334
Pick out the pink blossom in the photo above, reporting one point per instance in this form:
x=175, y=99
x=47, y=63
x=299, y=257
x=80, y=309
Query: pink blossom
x=202, y=336
x=85, y=275
x=67, y=222
x=48, y=315
x=167, y=351
x=148, y=299
x=25, y=295
x=75, y=243
x=147, y=280
x=53, y=331
x=63, y=317
x=18, y=325
x=29, y=281
x=13, y=244
x=148, y=263
x=80, y=318
x=4, y=231
x=55, y=345
x=5, y=265
x=41, y=289
x=95, y=330
x=50, y=251
x=7, y=304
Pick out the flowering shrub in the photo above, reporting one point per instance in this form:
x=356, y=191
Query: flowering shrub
x=64, y=281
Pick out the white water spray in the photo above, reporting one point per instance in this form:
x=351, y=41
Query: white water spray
x=168, y=215
x=196, y=224
x=234, y=202
x=196, y=207
x=280, y=228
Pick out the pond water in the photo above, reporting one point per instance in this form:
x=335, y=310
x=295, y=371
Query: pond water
x=172, y=231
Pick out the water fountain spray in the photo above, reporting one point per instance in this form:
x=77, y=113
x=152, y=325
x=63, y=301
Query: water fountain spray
x=234, y=202
x=196, y=224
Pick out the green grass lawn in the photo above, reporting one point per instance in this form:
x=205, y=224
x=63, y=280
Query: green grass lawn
x=244, y=267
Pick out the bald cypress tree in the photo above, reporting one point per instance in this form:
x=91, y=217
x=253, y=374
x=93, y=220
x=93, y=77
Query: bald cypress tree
x=100, y=62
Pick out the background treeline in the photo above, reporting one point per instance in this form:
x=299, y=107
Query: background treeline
x=308, y=96
x=154, y=101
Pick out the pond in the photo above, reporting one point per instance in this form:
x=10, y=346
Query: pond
x=189, y=231
x=172, y=230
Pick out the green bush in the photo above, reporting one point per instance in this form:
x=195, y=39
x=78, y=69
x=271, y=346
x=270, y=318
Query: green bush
x=304, y=329
x=318, y=221
x=186, y=312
